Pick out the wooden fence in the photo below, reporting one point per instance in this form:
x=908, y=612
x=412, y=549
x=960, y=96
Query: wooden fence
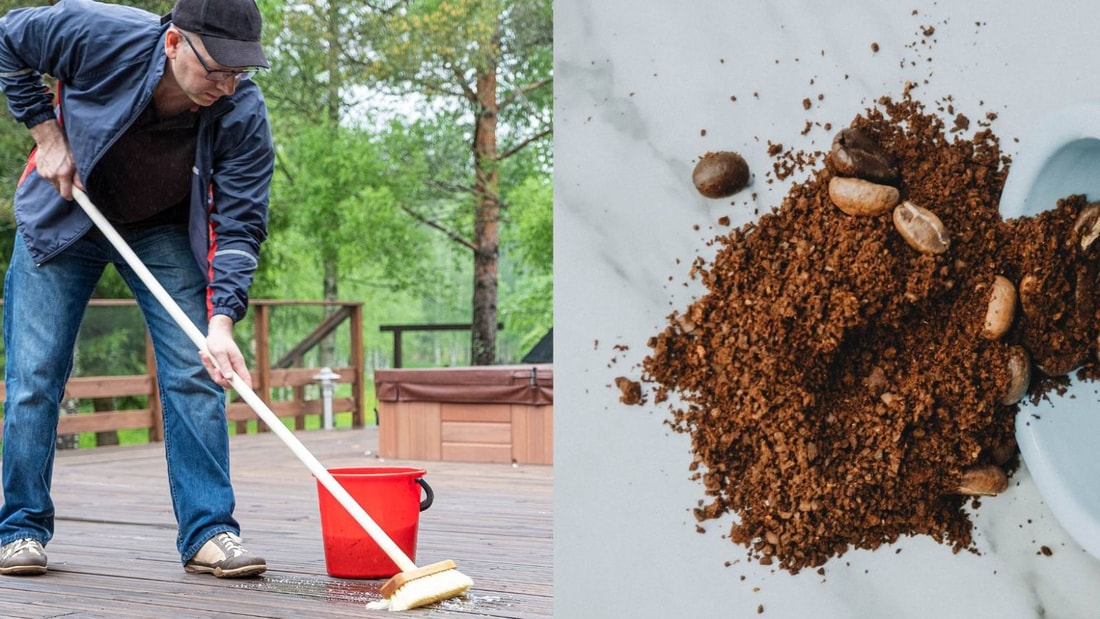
x=267, y=375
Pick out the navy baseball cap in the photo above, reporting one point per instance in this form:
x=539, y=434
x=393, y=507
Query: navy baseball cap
x=230, y=29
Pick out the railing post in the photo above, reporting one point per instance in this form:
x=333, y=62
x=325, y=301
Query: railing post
x=156, y=433
x=358, y=383
x=299, y=396
x=261, y=378
x=397, y=347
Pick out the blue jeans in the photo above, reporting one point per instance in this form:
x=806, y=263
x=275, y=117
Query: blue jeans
x=43, y=307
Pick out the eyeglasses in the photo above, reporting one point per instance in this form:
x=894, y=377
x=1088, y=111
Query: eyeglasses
x=219, y=75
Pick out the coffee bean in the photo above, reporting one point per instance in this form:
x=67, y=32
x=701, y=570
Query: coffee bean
x=720, y=174
x=986, y=480
x=1042, y=301
x=855, y=154
x=1001, y=308
x=1030, y=298
x=1019, y=369
x=1087, y=227
x=921, y=228
x=856, y=196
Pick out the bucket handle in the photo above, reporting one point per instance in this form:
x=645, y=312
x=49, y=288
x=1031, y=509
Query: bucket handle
x=429, y=496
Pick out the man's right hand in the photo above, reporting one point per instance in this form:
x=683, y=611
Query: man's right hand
x=54, y=159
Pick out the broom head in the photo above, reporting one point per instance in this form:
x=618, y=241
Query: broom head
x=424, y=585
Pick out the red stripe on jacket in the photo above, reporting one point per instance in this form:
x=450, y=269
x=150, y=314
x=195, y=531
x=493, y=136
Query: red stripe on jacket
x=213, y=234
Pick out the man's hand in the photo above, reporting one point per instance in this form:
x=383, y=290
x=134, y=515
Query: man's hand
x=54, y=159
x=224, y=351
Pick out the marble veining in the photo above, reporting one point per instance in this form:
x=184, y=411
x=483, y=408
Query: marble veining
x=643, y=88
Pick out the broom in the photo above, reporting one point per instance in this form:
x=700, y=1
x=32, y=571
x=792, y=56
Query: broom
x=413, y=586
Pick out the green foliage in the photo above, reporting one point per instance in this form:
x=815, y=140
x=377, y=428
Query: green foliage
x=531, y=235
x=158, y=7
x=431, y=169
x=335, y=202
x=111, y=342
x=432, y=35
x=15, y=144
x=529, y=283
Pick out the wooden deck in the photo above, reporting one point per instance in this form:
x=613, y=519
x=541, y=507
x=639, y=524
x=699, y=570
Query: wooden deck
x=113, y=554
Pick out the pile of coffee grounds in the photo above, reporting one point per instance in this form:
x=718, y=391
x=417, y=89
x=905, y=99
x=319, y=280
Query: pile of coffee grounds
x=835, y=382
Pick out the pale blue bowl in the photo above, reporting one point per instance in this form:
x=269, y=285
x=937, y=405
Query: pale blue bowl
x=1060, y=437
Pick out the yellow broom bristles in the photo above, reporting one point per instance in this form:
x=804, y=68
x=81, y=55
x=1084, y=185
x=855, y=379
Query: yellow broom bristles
x=424, y=585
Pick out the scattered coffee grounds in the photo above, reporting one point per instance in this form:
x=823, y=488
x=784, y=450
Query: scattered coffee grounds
x=631, y=390
x=720, y=174
x=838, y=383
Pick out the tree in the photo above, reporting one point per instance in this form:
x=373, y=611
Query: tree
x=475, y=70
x=330, y=183
x=491, y=61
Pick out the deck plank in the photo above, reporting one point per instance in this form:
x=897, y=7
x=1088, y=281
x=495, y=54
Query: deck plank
x=113, y=554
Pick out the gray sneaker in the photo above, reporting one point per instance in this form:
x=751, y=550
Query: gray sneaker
x=23, y=557
x=225, y=557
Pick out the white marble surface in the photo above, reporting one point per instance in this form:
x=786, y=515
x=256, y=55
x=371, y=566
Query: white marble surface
x=637, y=83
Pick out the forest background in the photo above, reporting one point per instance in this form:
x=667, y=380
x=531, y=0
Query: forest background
x=413, y=174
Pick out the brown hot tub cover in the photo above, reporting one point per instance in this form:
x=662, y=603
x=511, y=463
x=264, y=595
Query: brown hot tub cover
x=530, y=384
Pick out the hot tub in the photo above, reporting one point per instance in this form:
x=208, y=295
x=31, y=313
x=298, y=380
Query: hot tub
x=467, y=414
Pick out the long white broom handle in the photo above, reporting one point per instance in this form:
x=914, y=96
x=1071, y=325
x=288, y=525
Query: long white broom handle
x=265, y=413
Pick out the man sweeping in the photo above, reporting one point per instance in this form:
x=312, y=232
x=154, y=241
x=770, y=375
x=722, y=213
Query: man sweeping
x=156, y=119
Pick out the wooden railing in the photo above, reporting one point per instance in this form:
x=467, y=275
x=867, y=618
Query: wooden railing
x=267, y=375
x=399, y=330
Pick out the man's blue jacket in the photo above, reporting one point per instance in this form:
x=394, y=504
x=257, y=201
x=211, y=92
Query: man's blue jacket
x=108, y=59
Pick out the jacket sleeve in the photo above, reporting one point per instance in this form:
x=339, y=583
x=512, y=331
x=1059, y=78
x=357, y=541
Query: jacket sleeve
x=29, y=48
x=243, y=165
x=64, y=41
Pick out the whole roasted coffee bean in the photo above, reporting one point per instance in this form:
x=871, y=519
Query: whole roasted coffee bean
x=855, y=154
x=1087, y=227
x=856, y=196
x=986, y=480
x=1001, y=309
x=1029, y=296
x=720, y=174
x=921, y=228
x=1041, y=299
x=1019, y=369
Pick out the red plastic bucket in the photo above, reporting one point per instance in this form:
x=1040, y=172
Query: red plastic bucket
x=391, y=496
